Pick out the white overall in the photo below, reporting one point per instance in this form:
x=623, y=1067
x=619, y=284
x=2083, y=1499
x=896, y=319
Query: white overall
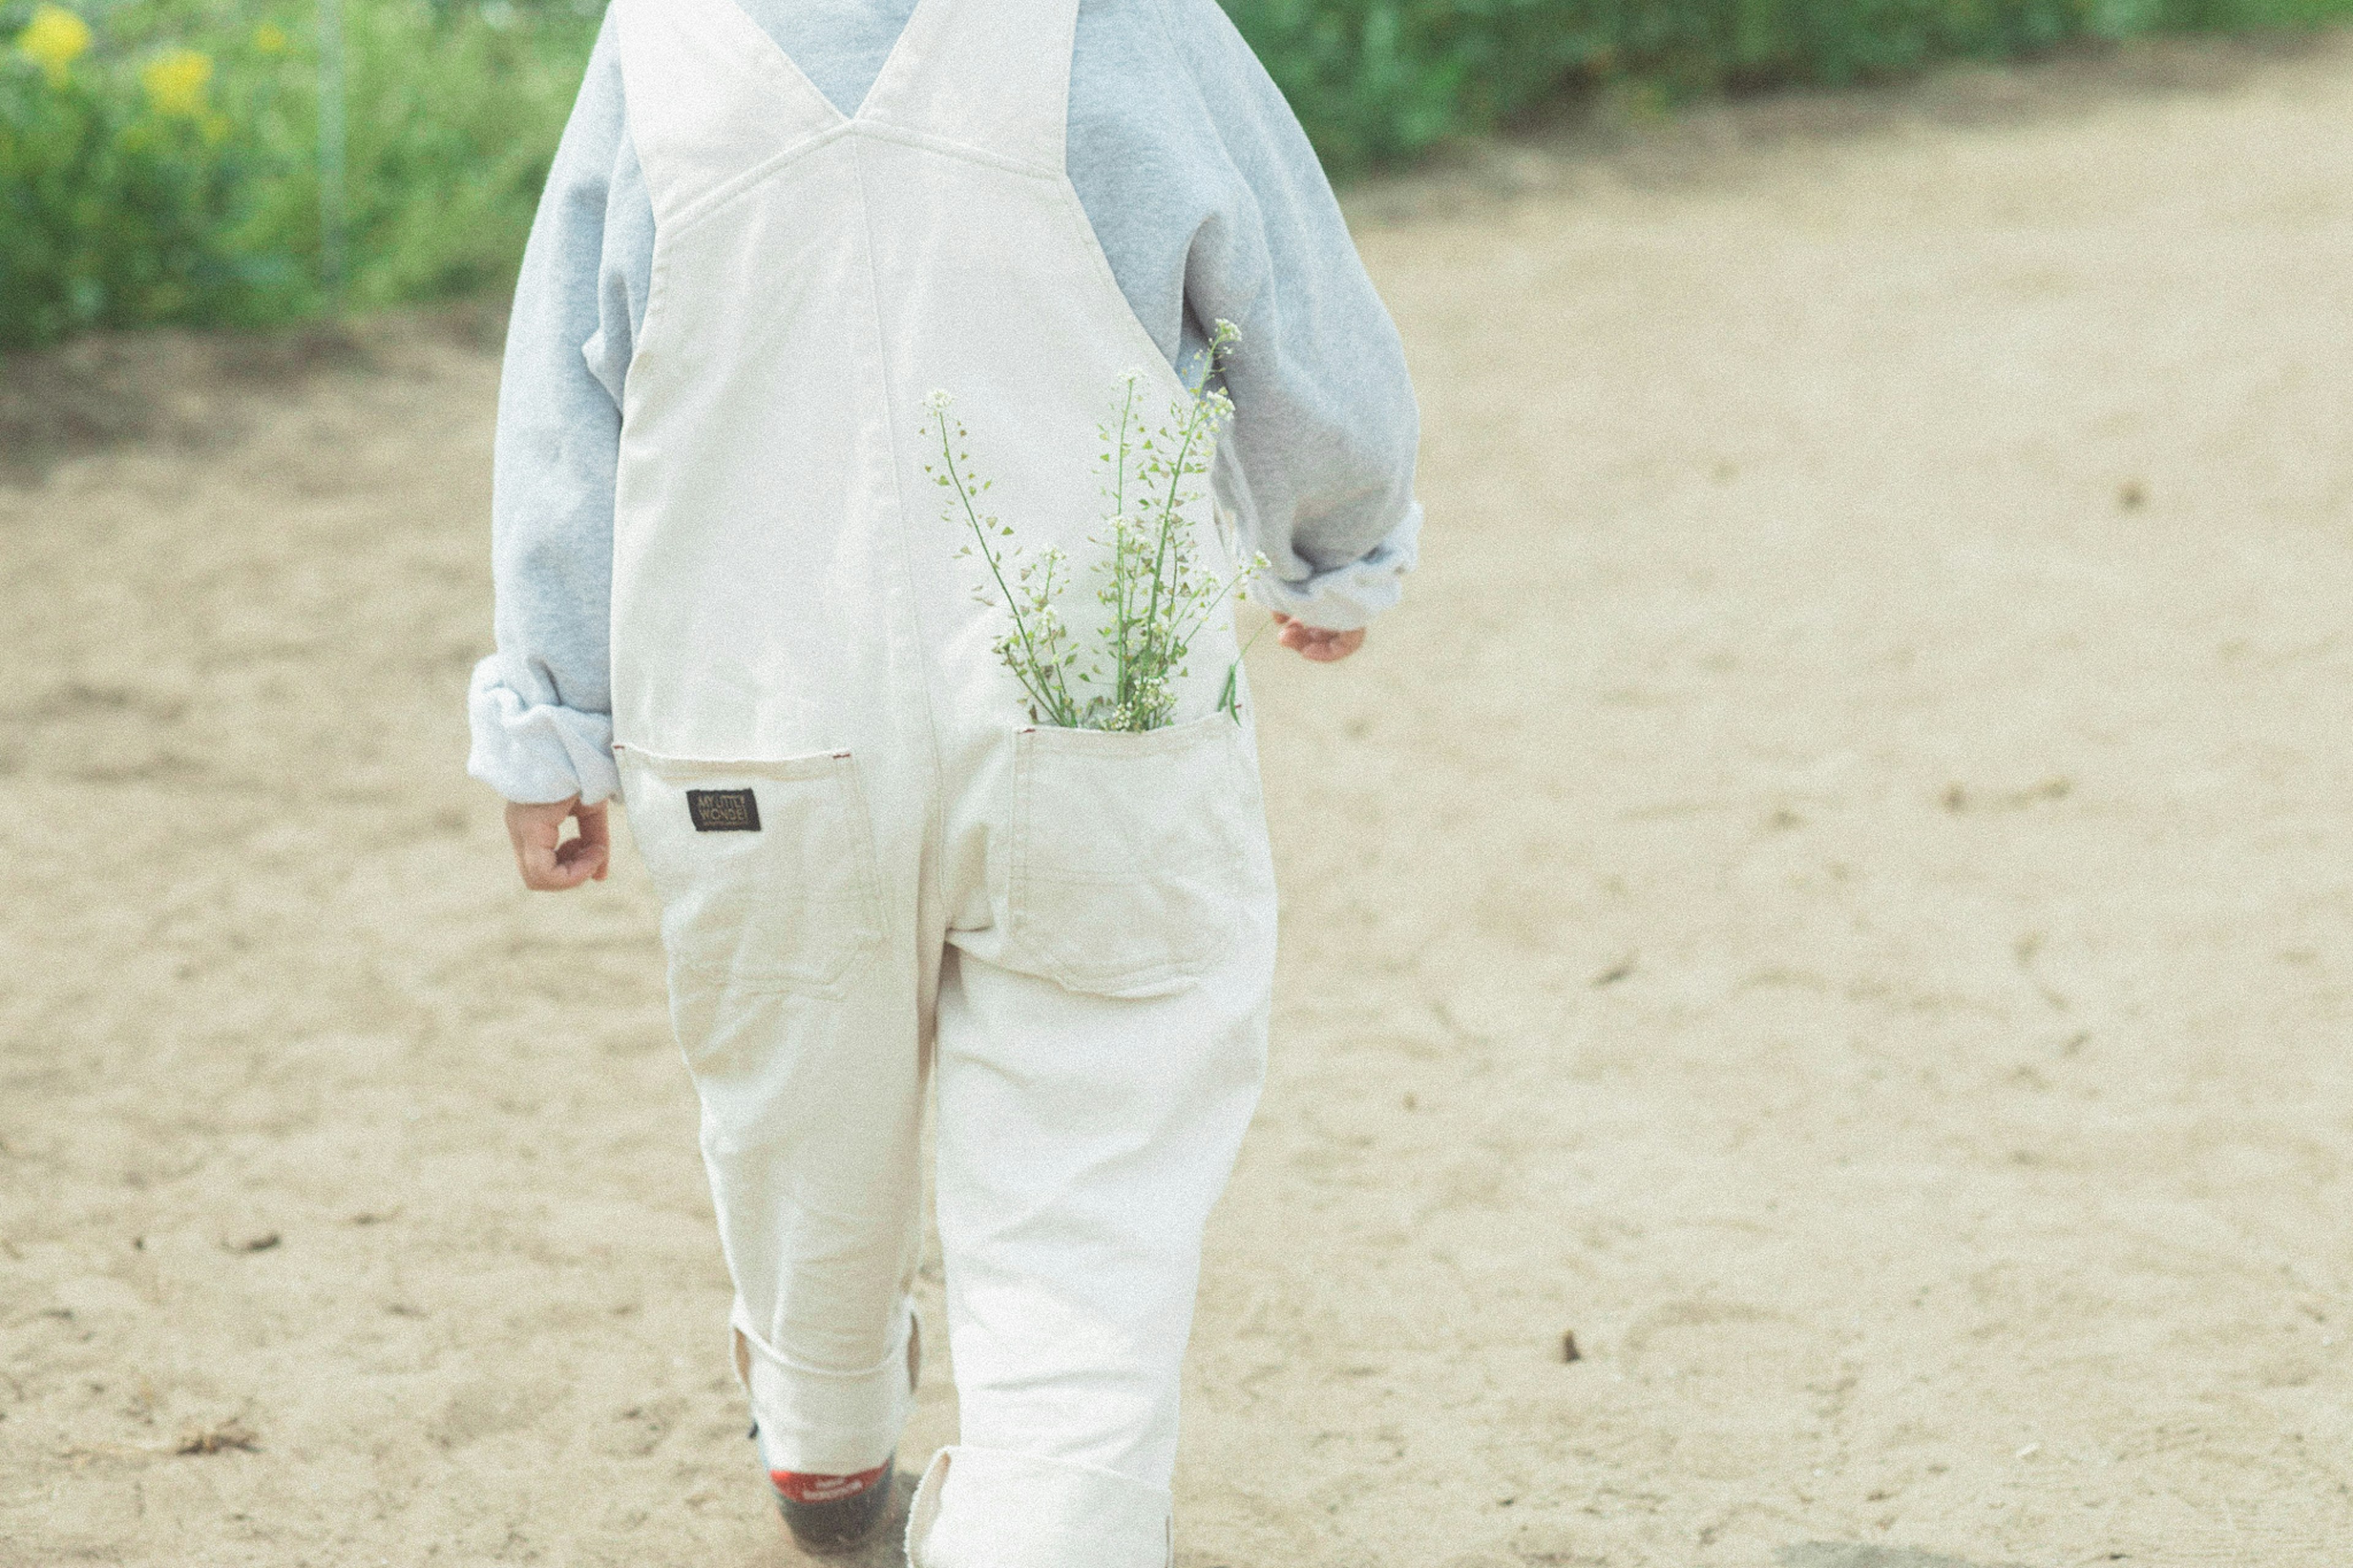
x=876, y=872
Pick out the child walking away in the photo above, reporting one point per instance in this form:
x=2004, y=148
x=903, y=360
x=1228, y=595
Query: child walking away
x=728, y=592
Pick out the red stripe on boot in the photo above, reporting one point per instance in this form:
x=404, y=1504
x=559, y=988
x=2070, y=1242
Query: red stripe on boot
x=795, y=1487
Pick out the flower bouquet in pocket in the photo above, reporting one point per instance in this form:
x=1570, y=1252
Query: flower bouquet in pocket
x=1156, y=591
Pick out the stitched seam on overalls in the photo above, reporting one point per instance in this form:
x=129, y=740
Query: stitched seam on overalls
x=1016, y=874
x=657, y=294
x=899, y=533
x=1075, y=210
x=932, y=142
x=719, y=197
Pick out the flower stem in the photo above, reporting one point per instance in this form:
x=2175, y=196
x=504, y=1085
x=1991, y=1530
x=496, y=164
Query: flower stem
x=1058, y=710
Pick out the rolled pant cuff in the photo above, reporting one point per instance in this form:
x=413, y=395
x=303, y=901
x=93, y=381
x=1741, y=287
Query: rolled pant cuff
x=985, y=1508
x=824, y=1423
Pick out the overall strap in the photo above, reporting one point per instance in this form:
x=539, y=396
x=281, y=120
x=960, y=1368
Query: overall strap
x=993, y=75
x=708, y=96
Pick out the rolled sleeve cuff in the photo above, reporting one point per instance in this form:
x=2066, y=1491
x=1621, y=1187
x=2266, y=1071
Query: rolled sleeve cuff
x=1347, y=598
x=535, y=753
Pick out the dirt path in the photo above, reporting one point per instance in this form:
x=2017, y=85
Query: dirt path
x=1837, y=891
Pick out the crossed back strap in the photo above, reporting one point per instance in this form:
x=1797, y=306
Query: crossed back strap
x=713, y=98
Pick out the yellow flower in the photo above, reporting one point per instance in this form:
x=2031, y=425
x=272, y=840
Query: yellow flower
x=270, y=39
x=176, y=81
x=53, y=40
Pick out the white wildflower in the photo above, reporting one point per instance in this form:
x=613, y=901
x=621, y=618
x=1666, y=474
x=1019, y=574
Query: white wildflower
x=1153, y=585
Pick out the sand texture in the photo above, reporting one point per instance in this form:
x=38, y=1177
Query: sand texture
x=1835, y=891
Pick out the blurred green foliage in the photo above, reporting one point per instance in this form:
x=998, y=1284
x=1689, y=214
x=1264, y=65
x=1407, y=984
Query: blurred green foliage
x=122, y=186
x=120, y=206
x=1379, y=81
x=159, y=158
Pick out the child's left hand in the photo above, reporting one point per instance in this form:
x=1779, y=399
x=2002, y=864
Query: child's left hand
x=551, y=863
x=1314, y=643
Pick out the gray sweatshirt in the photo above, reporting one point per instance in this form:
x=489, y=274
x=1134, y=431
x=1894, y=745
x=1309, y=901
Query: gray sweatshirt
x=1210, y=206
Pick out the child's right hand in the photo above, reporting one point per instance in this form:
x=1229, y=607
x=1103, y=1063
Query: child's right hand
x=1314, y=643
x=547, y=865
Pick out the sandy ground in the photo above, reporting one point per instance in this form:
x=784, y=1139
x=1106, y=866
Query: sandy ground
x=1836, y=892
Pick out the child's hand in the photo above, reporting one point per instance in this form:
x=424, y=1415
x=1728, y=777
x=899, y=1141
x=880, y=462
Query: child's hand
x=548, y=866
x=1316, y=644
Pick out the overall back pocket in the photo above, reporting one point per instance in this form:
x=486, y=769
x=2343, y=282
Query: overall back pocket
x=766, y=868
x=1128, y=856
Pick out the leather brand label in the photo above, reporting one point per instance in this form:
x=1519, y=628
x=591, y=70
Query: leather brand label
x=724, y=810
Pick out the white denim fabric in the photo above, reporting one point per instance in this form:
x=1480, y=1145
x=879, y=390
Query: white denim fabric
x=880, y=877
x=1208, y=203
